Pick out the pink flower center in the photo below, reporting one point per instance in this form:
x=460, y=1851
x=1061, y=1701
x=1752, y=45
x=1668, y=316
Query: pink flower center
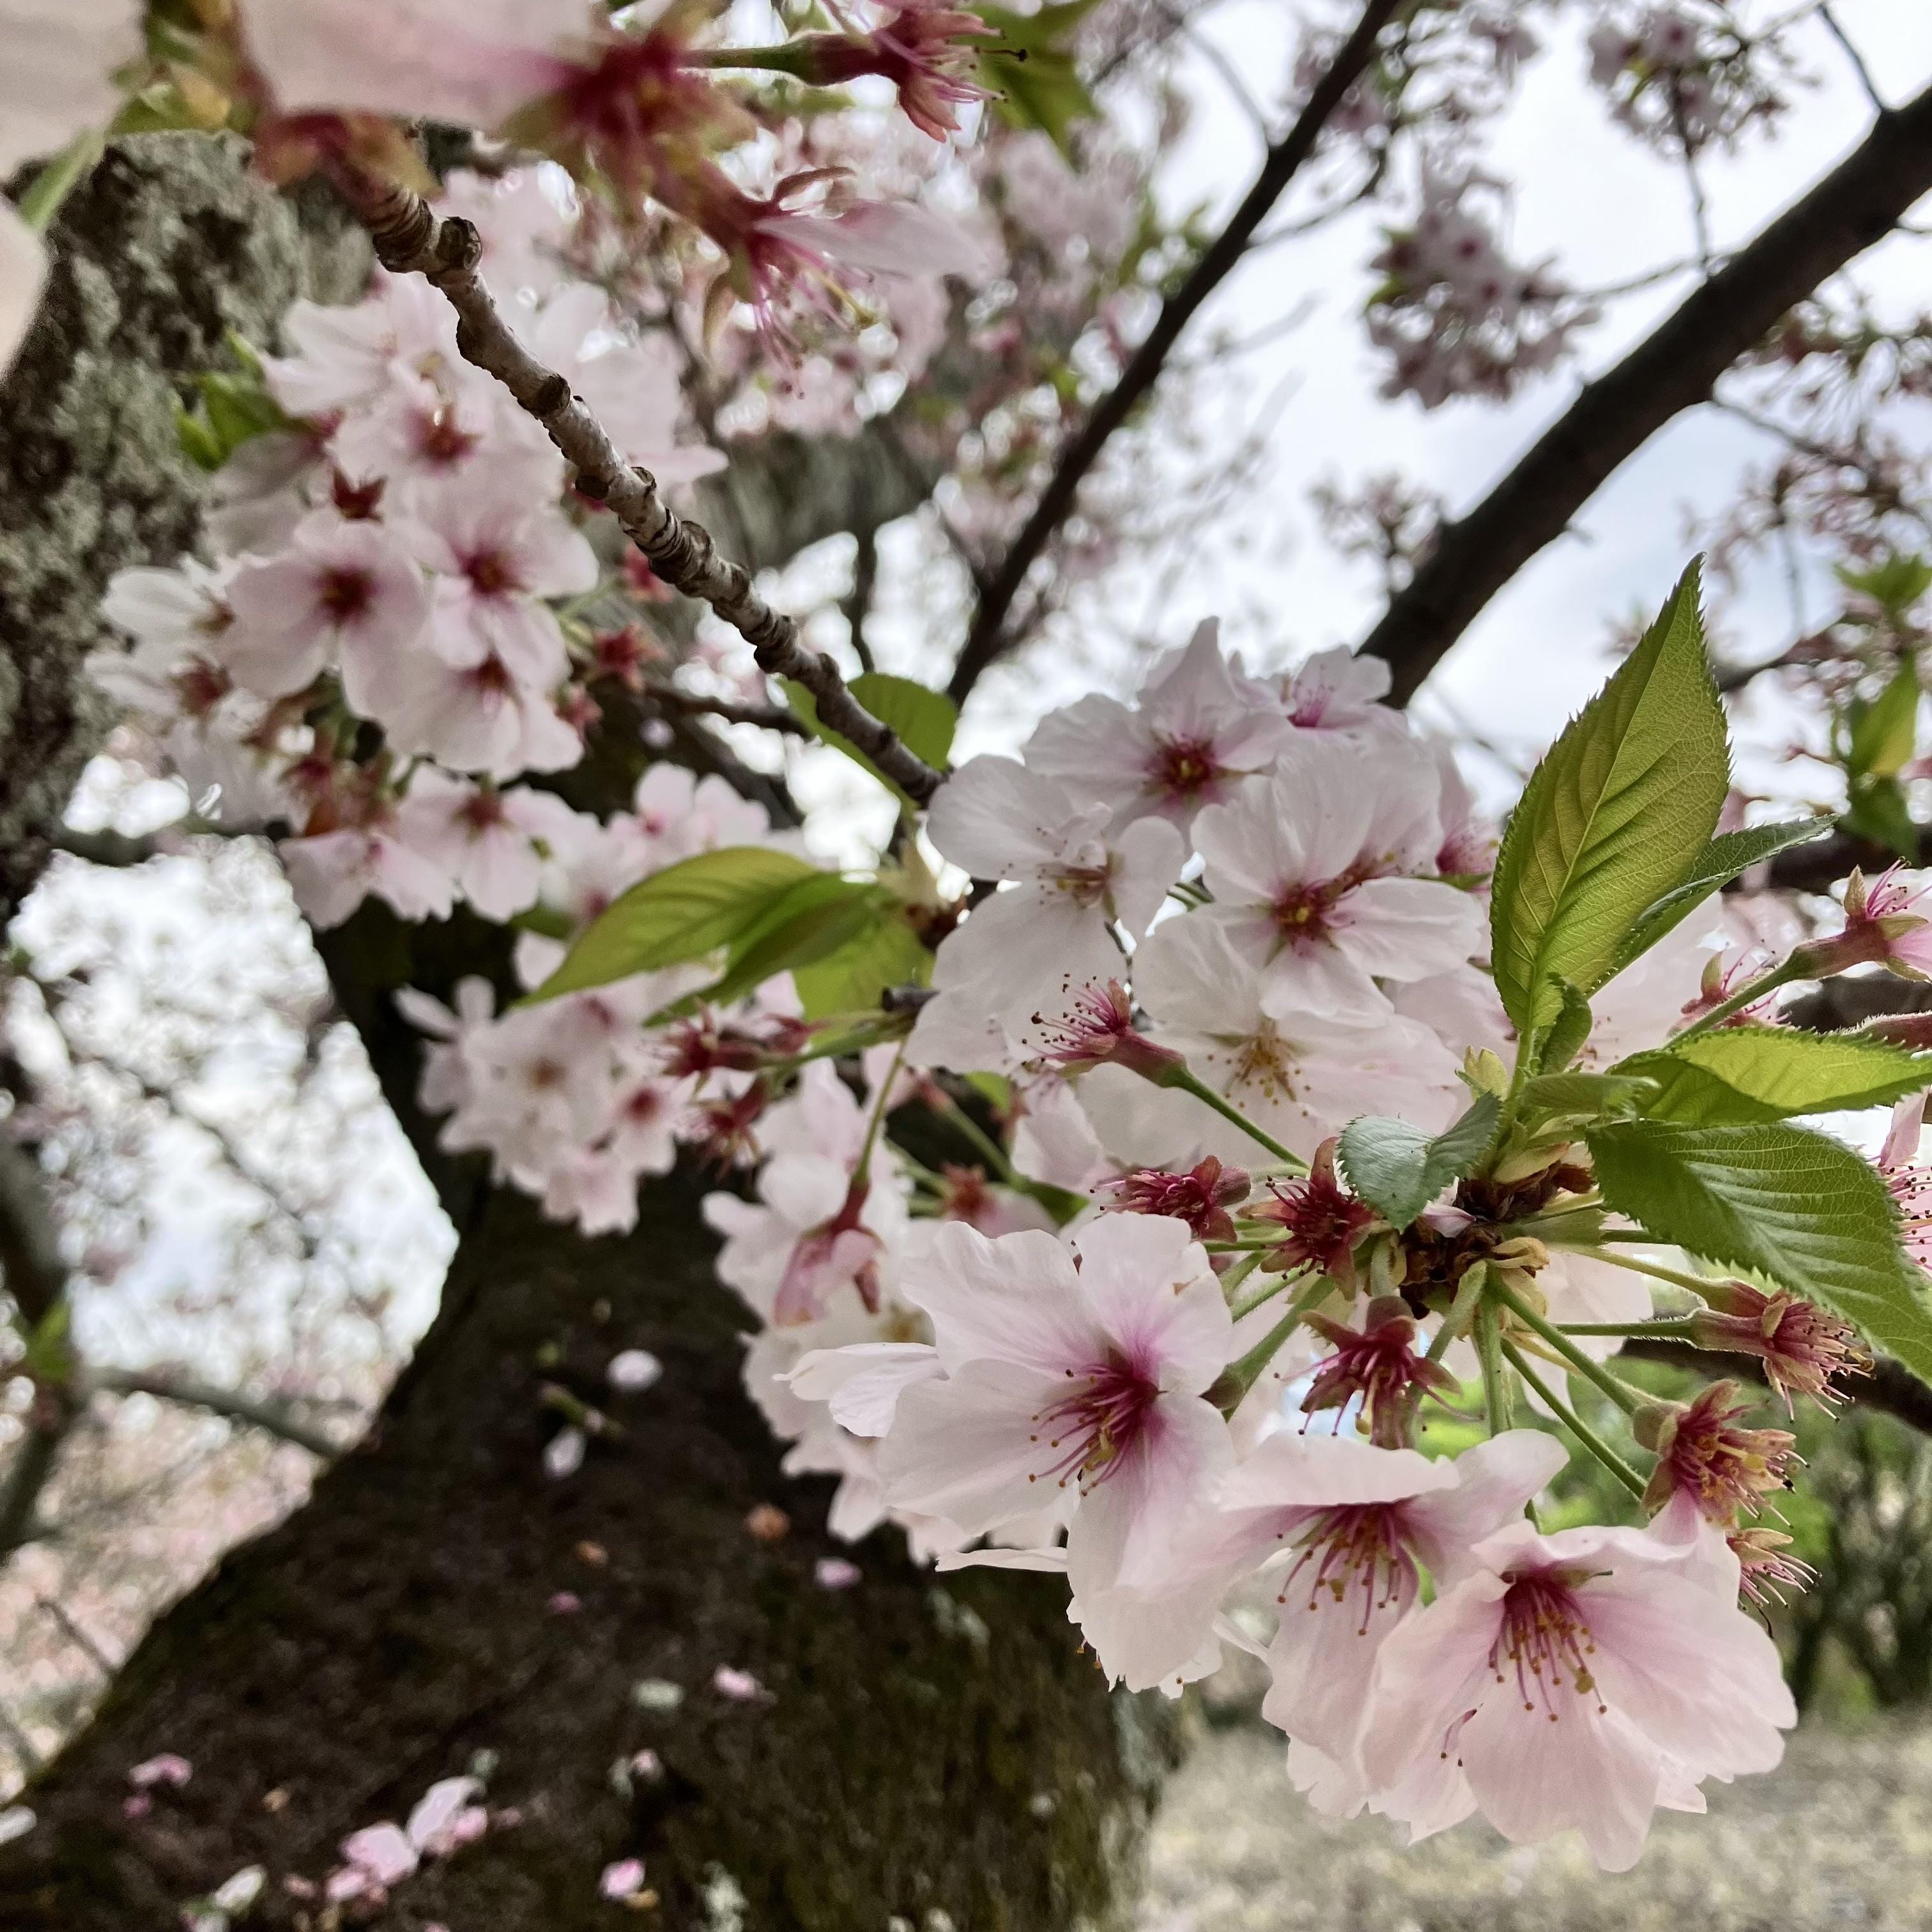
x=1095, y=1424
x=345, y=593
x=1357, y=1551
x=1545, y=1640
x=441, y=440
x=1307, y=912
x=1183, y=767
x=491, y=574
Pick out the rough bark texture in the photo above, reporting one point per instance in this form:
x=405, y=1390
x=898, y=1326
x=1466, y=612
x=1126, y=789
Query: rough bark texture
x=921, y=1745
x=933, y=1751
x=167, y=246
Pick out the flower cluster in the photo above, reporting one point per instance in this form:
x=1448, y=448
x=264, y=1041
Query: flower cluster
x=1683, y=77
x=1454, y=315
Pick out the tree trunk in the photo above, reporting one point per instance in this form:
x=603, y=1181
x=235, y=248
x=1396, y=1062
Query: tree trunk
x=934, y=1751
x=917, y=1746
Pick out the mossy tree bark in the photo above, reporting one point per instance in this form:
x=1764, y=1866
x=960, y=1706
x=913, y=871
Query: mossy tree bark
x=928, y=1750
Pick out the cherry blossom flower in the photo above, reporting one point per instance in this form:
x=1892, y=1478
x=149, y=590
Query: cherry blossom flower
x=1320, y=1222
x=1029, y=948
x=1377, y=1366
x=1088, y=1380
x=497, y=554
x=1703, y=1454
x=1577, y=1680
x=485, y=840
x=1311, y=870
x=1299, y=1073
x=1197, y=727
x=1200, y=1197
x=1883, y=926
x=1339, y=690
x=332, y=873
x=349, y=356
x=1803, y=1347
x=1359, y=1519
x=476, y=717
x=917, y=47
x=342, y=591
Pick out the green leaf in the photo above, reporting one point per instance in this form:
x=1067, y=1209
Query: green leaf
x=1796, y=1207
x=1031, y=71
x=1398, y=1168
x=1894, y=586
x=886, y=952
x=924, y=720
x=1569, y=1100
x=1884, y=732
x=1568, y=1031
x=1720, y=862
x=815, y=919
x=684, y=912
x=1878, y=811
x=1740, y=1074
x=1614, y=817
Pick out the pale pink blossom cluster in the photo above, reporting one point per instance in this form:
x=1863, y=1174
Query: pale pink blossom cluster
x=1682, y=77
x=402, y=555
x=578, y=1099
x=1454, y=315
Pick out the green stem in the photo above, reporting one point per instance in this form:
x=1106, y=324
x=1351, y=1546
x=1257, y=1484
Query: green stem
x=1747, y=994
x=1658, y=1331
x=1576, y=1426
x=41, y=202
x=1238, y=1273
x=1495, y=1386
x=1456, y=1322
x=1188, y=1083
x=787, y=57
x=1657, y=1270
x=1626, y=1398
x=877, y=1120
x=989, y=1149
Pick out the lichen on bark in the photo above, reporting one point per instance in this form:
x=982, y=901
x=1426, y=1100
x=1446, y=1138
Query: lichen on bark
x=168, y=245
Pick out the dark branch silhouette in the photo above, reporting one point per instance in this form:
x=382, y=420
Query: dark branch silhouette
x=991, y=636
x=1672, y=369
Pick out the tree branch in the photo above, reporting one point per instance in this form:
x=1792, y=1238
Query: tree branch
x=672, y=697
x=990, y=637
x=1671, y=370
x=410, y=239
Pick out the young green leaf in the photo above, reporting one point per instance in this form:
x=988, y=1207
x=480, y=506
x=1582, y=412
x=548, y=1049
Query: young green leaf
x=1895, y=585
x=1569, y=1100
x=684, y=912
x=813, y=921
x=885, y=952
x=1568, y=1031
x=1746, y=1073
x=1884, y=733
x=1797, y=1207
x=1030, y=69
x=1398, y=1168
x=924, y=720
x=1614, y=817
x=1720, y=862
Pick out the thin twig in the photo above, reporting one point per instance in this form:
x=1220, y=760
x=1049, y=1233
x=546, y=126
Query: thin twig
x=991, y=636
x=693, y=704
x=410, y=239
x=1857, y=59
